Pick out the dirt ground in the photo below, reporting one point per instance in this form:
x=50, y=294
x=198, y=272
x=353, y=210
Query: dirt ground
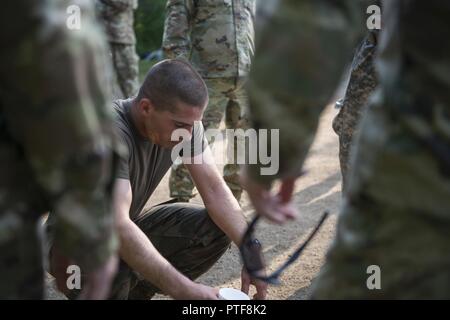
x=317, y=191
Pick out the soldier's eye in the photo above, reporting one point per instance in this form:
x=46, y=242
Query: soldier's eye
x=179, y=124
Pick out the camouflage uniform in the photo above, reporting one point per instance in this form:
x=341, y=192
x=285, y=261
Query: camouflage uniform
x=361, y=85
x=216, y=36
x=117, y=17
x=54, y=142
x=397, y=211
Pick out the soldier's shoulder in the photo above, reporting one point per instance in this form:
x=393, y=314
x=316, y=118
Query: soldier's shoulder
x=124, y=127
x=118, y=107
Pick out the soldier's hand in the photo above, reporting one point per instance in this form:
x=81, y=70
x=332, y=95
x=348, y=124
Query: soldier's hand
x=197, y=291
x=276, y=207
x=97, y=283
x=261, y=286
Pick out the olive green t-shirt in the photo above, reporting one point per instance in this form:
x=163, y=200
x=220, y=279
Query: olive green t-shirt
x=145, y=163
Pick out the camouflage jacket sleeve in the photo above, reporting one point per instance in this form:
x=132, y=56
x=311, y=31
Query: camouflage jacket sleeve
x=64, y=126
x=301, y=54
x=176, y=38
x=120, y=5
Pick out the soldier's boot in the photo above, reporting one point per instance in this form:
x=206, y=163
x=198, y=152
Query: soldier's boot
x=143, y=291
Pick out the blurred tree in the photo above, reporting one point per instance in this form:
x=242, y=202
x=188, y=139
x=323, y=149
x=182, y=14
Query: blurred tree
x=149, y=25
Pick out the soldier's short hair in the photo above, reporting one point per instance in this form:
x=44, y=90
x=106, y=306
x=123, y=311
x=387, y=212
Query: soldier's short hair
x=171, y=81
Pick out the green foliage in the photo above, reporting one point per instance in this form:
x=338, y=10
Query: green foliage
x=149, y=25
x=144, y=66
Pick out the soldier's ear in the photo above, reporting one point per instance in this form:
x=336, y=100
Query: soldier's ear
x=146, y=107
x=206, y=103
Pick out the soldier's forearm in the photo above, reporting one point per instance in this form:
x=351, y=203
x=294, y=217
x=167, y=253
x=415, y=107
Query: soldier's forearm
x=225, y=211
x=299, y=71
x=222, y=207
x=140, y=254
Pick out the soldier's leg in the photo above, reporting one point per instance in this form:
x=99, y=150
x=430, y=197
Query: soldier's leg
x=186, y=236
x=395, y=218
x=21, y=271
x=126, y=65
x=21, y=266
x=236, y=117
x=111, y=74
x=180, y=183
x=362, y=82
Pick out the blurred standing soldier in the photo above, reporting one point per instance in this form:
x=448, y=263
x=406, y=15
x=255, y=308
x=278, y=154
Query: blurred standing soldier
x=393, y=233
x=362, y=83
x=217, y=37
x=117, y=17
x=55, y=147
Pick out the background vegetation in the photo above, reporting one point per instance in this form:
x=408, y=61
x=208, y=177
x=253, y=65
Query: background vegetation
x=149, y=25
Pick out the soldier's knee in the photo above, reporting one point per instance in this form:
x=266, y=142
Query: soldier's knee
x=223, y=240
x=215, y=234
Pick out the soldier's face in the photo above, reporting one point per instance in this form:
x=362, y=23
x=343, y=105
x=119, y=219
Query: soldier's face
x=161, y=123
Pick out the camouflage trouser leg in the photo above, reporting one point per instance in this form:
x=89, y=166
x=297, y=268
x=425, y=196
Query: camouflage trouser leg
x=396, y=217
x=226, y=96
x=236, y=117
x=126, y=66
x=361, y=85
x=21, y=264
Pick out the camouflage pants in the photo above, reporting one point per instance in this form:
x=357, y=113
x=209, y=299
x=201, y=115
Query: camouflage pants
x=226, y=97
x=21, y=264
x=396, y=216
x=21, y=205
x=361, y=85
x=126, y=66
x=183, y=234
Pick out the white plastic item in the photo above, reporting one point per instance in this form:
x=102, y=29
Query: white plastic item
x=232, y=294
